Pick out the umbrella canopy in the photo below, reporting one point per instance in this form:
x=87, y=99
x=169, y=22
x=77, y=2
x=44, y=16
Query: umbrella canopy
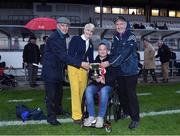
x=41, y=23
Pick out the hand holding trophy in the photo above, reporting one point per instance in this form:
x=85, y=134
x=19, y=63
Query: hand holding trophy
x=98, y=72
x=95, y=68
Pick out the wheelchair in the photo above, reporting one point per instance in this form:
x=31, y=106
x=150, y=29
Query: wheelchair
x=114, y=104
x=113, y=110
x=6, y=79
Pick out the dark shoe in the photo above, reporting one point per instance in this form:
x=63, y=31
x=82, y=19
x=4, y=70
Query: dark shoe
x=36, y=85
x=154, y=82
x=123, y=116
x=33, y=85
x=165, y=80
x=78, y=121
x=54, y=122
x=133, y=124
x=145, y=81
x=62, y=112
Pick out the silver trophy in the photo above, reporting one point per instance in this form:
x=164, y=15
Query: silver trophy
x=95, y=69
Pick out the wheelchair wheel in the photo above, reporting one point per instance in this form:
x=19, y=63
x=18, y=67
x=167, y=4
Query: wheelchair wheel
x=116, y=107
x=107, y=126
x=82, y=125
x=14, y=83
x=108, y=129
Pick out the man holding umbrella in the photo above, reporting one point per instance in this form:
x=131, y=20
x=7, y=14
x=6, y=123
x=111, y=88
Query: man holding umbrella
x=55, y=58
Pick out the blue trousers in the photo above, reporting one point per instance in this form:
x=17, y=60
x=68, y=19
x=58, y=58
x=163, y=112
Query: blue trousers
x=104, y=92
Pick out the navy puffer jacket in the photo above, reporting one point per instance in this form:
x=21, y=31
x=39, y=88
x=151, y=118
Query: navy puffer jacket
x=123, y=54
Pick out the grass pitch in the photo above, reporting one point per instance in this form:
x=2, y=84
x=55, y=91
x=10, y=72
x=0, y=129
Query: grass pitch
x=163, y=97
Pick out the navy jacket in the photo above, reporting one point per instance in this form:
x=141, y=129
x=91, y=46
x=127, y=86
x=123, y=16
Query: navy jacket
x=123, y=54
x=55, y=57
x=77, y=49
x=31, y=53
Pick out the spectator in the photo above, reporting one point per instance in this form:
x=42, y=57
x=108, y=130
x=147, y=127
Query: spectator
x=149, y=61
x=133, y=13
x=165, y=26
x=16, y=44
x=42, y=46
x=164, y=54
x=173, y=63
x=177, y=65
x=156, y=25
x=136, y=26
x=141, y=26
x=124, y=57
x=81, y=48
x=140, y=66
x=31, y=56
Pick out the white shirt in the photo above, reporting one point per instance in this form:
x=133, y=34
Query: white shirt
x=87, y=41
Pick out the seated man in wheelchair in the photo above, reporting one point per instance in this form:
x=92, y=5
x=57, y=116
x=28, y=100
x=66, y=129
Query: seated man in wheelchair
x=102, y=83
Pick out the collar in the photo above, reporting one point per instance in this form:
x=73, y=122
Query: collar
x=84, y=38
x=104, y=59
x=61, y=34
x=121, y=34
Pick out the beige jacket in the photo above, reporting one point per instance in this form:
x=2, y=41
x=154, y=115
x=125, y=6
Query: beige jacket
x=149, y=57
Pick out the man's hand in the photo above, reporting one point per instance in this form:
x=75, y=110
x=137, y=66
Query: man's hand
x=105, y=64
x=85, y=65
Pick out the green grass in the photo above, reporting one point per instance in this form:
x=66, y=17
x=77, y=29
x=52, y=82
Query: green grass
x=163, y=98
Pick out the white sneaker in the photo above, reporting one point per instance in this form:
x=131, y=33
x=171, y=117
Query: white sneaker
x=89, y=121
x=99, y=122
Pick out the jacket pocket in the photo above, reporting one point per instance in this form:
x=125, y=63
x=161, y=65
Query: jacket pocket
x=129, y=66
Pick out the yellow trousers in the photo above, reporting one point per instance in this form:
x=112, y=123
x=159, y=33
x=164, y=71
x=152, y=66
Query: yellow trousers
x=78, y=82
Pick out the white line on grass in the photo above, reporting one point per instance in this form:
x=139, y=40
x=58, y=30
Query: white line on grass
x=153, y=113
x=68, y=120
x=143, y=94
x=21, y=100
x=31, y=122
x=178, y=91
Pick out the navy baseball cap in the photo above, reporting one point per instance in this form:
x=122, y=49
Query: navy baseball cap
x=119, y=18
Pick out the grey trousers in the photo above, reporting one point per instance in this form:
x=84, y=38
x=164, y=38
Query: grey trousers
x=32, y=73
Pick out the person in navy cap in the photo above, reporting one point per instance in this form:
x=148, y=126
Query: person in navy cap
x=123, y=56
x=102, y=85
x=53, y=71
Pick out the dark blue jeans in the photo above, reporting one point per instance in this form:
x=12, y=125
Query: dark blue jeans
x=103, y=95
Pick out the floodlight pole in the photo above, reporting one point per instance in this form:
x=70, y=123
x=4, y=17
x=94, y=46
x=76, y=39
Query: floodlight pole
x=101, y=12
